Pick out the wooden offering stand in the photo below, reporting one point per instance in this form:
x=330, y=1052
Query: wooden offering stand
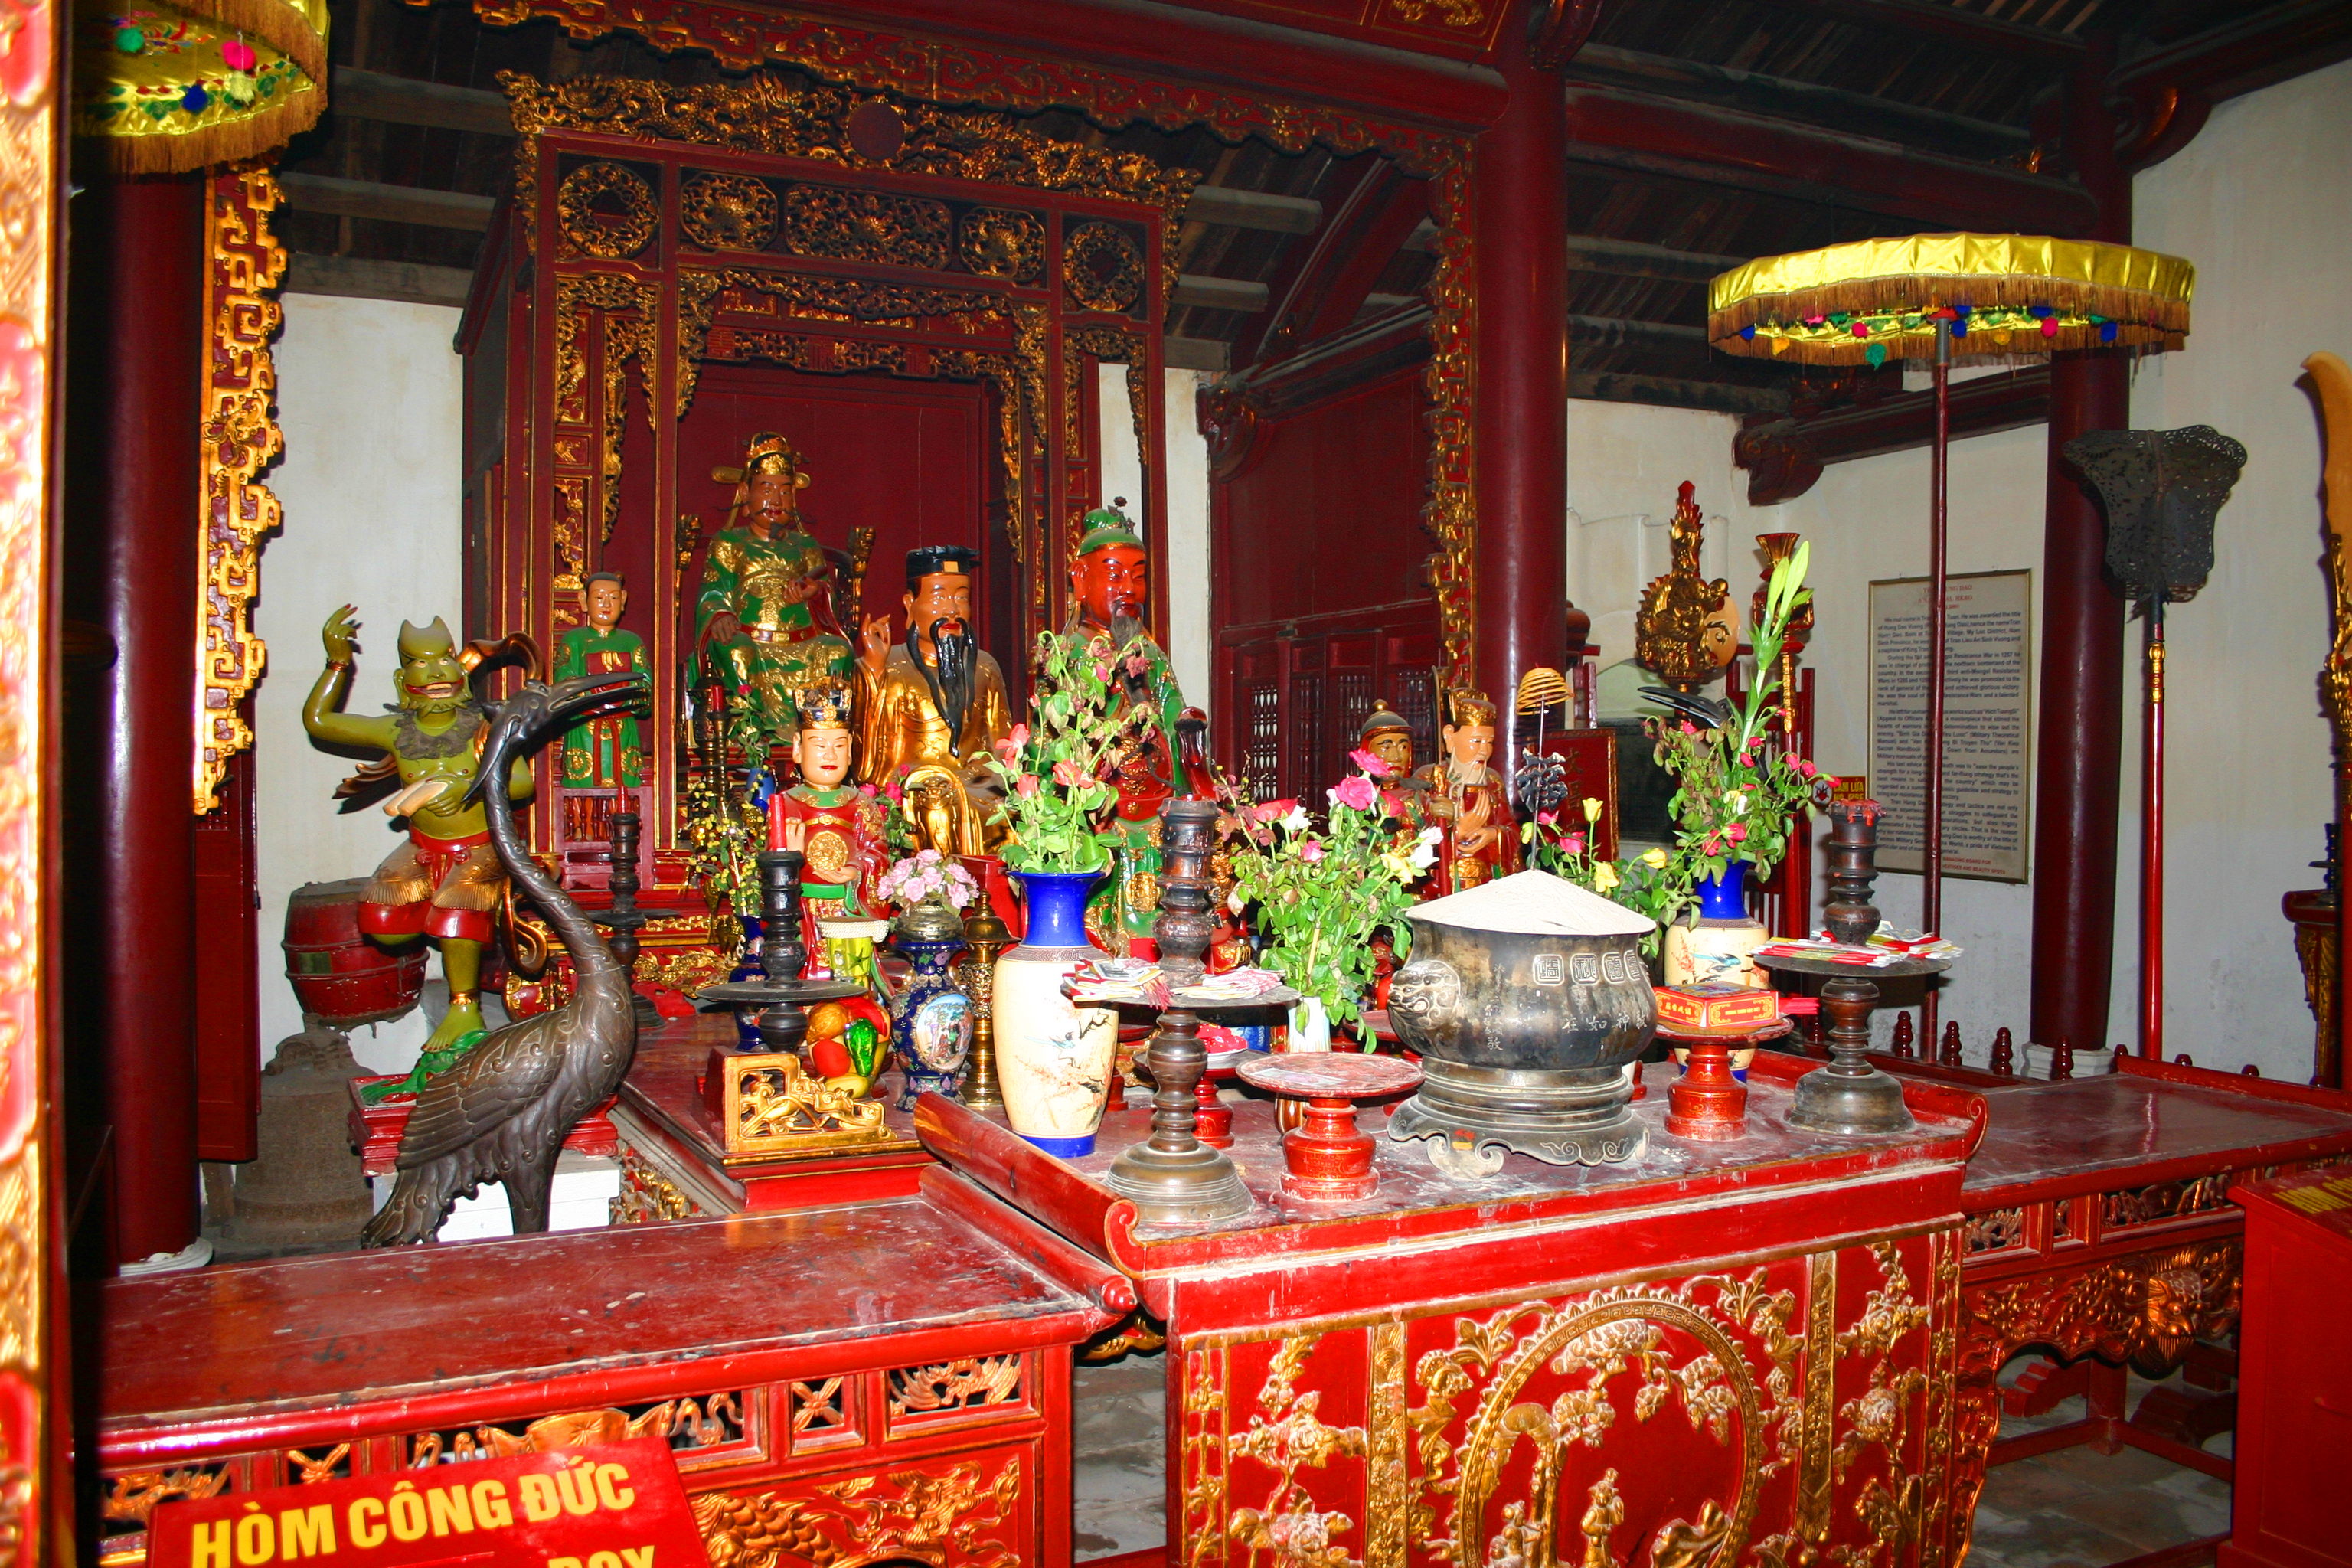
x=1175, y=1176
x=1706, y=1102
x=766, y=1100
x=1326, y=1160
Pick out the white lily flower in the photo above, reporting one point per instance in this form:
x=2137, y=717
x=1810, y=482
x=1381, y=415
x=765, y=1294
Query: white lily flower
x=1424, y=854
x=1431, y=838
x=1297, y=821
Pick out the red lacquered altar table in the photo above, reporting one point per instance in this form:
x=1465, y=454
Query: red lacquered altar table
x=674, y=1161
x=887, y=1380
x=2099, y=1226
x=1735, y=1352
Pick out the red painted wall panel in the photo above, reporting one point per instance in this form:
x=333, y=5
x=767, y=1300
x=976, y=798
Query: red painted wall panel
x=1327, y=515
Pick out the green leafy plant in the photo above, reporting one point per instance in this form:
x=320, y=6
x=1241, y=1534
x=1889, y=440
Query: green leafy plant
x=1656, y=882
x=1740, y=792
x=1056, y=769
x=1323, y=891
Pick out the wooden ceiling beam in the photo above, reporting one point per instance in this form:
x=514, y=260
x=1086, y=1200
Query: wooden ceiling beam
x=2038, y=47
x=1675, y=392
x=410, y=100
x=1620, y=331
x=2246, y=53
x=387, y=203
x=1228, y=207
x=1783, y=98
x=1630, y=258
x=1644, y=132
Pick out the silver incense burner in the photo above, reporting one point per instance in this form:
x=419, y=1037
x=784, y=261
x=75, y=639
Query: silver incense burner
x=1526, y=1000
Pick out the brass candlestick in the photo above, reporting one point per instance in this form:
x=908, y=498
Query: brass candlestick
x=985, y=936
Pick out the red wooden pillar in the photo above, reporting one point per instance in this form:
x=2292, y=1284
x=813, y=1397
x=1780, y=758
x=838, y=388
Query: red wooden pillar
x=2079, y=740
x=1522, y=390
x=137, y=335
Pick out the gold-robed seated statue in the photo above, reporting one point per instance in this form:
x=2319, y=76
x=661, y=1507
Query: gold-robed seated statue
x=764, y=618
x=933, y=705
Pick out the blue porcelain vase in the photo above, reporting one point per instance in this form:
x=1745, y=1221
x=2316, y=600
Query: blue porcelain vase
x=1718, y=947
x=931, y=1021
x=1053, y=1059
x=1724, y=898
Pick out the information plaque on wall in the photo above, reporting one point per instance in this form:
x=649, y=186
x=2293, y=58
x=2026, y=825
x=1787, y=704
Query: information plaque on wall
x=1987, y=725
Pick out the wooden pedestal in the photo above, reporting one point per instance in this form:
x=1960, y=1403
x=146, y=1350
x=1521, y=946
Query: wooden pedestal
x=674, y=1159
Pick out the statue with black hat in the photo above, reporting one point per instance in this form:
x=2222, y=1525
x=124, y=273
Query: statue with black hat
x=933, y=705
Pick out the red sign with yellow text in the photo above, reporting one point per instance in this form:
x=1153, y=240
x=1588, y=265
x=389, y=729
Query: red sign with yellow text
x=616, y=1505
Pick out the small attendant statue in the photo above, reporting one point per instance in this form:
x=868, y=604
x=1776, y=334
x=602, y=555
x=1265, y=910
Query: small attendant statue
x=445, y=882
x=932, y=707
x=764, y=620
x=835, y=826
x=1466, y=799
x=1387, y=735
x=606, y=752
x=1111, y=586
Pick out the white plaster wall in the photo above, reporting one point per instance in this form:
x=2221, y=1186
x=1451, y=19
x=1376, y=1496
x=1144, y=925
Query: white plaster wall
x=1868, y=520
x=369, y=398
x=2263, y=208
x=1183, y=533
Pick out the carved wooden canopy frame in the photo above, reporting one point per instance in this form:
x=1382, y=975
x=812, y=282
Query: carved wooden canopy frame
x=916, y=69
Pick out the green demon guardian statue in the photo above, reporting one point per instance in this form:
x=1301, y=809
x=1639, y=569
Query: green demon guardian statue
x=445, y=882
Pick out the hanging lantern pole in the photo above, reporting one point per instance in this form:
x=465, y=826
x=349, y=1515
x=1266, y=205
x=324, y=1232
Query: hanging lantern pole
x=2151, y=845
x=1931, y=899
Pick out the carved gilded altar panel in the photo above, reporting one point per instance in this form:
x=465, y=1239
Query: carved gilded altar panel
x=1770, y=1415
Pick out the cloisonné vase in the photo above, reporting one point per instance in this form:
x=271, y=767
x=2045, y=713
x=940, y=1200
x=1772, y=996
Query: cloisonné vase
x=930, y=1019
x=1053, y=1059
x=749, y=967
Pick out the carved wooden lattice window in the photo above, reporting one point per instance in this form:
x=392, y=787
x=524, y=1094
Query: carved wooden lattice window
x=820, y=1410
x=1262, y=766
x=1997, y=1231
x=971, y=1384
x=131, y=1498
x=1352, y=697
x=1302, y=734
x=713, y=1422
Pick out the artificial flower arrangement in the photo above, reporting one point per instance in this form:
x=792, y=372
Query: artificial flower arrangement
x=1739, y=794
x=1054, y=769
x=1323, y=891
x=928, y=875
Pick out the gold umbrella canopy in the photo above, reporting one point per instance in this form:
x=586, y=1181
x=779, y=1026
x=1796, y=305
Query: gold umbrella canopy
x=2006, y=296
x=166, y=88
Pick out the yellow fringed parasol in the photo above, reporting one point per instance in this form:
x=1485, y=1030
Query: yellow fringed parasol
x=2003, y=296
x=1942, y=297
x=164, y=88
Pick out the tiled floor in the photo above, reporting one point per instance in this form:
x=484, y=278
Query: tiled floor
x=2073, y=1509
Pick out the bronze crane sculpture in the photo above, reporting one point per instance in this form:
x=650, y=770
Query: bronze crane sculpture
x=501, y=1113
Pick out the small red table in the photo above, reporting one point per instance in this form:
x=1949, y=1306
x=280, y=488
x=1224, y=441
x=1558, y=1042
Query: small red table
x=877, y=1381
x=2294, y=1409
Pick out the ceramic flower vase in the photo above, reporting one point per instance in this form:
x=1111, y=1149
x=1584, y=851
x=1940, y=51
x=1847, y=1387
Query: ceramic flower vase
x=1720, y=947
x=1053, y=1059
x=1310, y=1026
x=930, y=1019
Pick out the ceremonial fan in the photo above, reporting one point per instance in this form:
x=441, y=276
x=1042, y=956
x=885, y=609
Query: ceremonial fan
x=1944, y=298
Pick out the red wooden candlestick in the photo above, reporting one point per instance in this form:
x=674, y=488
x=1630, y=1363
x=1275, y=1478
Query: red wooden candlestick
x=1327, y=1159
x=1706, y=1102
x=1214, y=1123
